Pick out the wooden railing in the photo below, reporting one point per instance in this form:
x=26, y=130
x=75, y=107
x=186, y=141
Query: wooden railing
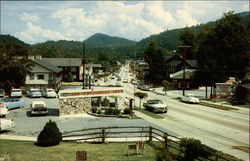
x=147, y=133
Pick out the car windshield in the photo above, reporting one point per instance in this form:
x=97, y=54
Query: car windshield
x=51, y=90
x=154, y=102
x=35, y=90
x=1, y=90
x=38, y=105
x=16, y=90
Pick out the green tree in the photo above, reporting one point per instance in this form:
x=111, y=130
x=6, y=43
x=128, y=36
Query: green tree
x=223, y=51
x=165, y=84
x=156, y=65
x=193, y=149
x=50, y=135
x=141, y=96
x=188, y=38
x=13, y=70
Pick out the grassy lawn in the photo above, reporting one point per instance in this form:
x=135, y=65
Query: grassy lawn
x=27, y=151
x=217, y=106
x=156, y=116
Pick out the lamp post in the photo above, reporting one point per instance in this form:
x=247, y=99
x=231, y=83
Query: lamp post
x=84, y=61
x=184, y=50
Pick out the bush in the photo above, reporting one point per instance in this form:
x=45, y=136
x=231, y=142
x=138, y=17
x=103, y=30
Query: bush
x=93, y=109
x=126, y=111
x=99, y=111
x=50, y=135
x=105, y=102
x=112, y=111
x=193, y=149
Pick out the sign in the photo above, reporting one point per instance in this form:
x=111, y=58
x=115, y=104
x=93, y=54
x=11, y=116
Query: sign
x=224, y=89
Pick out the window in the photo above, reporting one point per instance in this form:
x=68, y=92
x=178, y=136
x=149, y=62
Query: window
x=41, y=76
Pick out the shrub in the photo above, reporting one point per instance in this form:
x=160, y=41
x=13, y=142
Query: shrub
x=112, y=111
x=193, y=149
x=126, y=111
x=93, y=109
x=69, y=77
x=99, y=111
x=105, y=102
x=50, y=135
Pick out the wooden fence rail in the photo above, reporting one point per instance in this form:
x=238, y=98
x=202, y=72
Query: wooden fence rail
x=149, y=133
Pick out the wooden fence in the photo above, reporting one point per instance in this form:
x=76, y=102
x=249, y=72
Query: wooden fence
x=147, y=133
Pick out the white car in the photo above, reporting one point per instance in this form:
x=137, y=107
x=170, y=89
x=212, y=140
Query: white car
x=190, y=98
x=6, y=124
x=38, y=108
x=16, y=93
x=49, y=93
x=3, y=110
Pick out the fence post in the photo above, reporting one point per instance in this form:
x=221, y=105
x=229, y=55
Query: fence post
x=103, y=135
x=165, y=140
x=150, y=134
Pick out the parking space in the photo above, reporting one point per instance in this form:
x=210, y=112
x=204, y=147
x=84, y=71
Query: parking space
x=27, y=125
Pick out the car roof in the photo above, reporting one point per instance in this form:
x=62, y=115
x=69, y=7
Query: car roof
x=38, y=102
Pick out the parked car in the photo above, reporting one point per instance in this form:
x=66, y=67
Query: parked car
x=156, y=106
x=2, y=93
x=12, y=103
x=49, y=93
x=16, y=93
x=38, y=108
x=6, y=124
x=3, y=110
x=190, y=98
x=34, y=93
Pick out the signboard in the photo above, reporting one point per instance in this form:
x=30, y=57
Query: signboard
x=90, y=92
x=223, y=89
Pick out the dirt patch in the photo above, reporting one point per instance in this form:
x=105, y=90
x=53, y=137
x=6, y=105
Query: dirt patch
x=242, y=148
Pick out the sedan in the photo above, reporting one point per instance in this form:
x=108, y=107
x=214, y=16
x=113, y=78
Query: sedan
x=49, y=93
x=16, y=93
x=34, y=93
x=12, y=103
x=3, y=110
x=190, y=98
x=6, y=124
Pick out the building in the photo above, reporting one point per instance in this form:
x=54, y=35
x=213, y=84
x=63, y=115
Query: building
x=74, y=65
x=183, y=80
x=43, y=75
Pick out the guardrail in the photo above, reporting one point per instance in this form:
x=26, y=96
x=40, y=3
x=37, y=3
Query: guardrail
x=143, y=132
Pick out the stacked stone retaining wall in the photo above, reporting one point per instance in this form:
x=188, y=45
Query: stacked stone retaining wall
x=74, y=105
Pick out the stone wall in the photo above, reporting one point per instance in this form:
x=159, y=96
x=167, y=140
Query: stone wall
x=74, y=105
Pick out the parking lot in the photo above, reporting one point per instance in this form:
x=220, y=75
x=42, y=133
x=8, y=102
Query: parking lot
x=27, y=125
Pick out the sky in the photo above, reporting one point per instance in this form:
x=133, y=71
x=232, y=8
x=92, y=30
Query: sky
x=39, y=21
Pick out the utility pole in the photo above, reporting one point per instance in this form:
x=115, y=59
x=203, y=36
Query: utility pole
x=84, y=61
x=184, y=50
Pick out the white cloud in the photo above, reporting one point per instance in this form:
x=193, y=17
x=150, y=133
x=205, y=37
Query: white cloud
x=29, y=18
x=185, y=19
x=130, y=19
x=33, y=34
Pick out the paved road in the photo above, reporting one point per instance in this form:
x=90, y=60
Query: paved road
x=217, y=128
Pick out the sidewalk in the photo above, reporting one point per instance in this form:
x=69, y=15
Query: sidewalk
x=178, y=93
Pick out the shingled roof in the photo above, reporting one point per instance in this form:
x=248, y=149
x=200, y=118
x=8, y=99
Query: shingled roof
x=69, y=62
x=47, y=65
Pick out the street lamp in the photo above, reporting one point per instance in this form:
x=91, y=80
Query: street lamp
x=84, y=61
x=184, y=50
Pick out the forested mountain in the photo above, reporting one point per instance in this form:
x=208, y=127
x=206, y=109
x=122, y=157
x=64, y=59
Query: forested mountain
x=169, y=39
x=8, y=39
x=119, y=47
x=102, y=40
